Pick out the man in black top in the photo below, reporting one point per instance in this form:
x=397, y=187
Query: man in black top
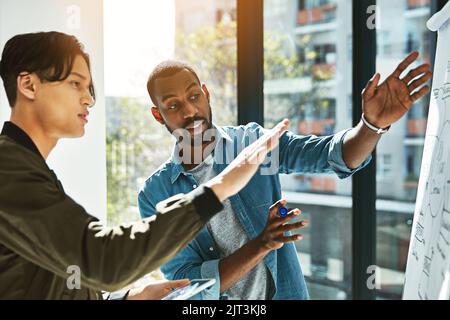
x=43, y=232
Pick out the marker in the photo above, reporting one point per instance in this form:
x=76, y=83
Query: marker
x=283, y=212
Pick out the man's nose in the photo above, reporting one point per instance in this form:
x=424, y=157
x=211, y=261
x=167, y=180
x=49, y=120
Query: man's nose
x=190, y=110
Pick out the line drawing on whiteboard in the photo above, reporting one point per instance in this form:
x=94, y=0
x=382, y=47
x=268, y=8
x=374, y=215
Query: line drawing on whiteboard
x=433, y=223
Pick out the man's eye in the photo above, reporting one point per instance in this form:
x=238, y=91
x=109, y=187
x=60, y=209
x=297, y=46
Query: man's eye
x=194, y=97
x=75, y=84
x=173, y=106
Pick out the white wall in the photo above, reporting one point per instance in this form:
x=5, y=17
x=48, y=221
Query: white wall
x=80, y=164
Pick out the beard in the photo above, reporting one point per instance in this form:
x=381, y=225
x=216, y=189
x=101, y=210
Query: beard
x=209, y=126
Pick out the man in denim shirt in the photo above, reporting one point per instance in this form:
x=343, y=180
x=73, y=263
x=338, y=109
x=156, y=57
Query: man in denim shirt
x=248, y=248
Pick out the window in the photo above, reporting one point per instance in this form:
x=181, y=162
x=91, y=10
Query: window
x=399, y=155
x=306, y=50
x=307, y=78
x=198, y=32
x=384, y=166
x=316, y=11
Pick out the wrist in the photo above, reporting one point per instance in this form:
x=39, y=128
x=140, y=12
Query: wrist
x=373, y=125
x=217, y=186
x=262, y=246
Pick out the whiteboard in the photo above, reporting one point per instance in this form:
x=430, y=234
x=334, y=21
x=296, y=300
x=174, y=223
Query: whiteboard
x=428, y=271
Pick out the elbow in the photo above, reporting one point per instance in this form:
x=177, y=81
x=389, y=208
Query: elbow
x=353, y=165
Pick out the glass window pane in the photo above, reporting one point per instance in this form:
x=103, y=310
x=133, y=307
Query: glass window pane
x=138, y=35
x=308, y=78
x=402, y=30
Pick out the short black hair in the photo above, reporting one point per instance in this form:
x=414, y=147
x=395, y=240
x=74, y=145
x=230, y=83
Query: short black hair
x=48, y=54
x=166, y=69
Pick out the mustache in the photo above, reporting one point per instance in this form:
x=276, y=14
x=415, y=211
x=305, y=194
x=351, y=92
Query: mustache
x=193, y=120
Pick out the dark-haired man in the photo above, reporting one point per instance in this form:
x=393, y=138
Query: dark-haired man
x=244, y=247
x=50, y=248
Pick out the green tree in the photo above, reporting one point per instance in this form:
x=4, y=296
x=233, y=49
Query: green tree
x=212, y=50
x=136, y=146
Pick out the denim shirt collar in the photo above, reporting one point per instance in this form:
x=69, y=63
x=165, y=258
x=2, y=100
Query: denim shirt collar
x=176, y=167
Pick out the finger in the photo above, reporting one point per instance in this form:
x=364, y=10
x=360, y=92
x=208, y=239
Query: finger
x=286, y=239
x=257, y=156
x=276, y=131
x=273, y=210
x=263, y=141
x=294, y=226
x=272, y=142
x=261, y=155
x=291, y=215
x=272, y=136
x=419, y=94
x=405, y=64
x=417, y=83
x=257, y=151
x=416, y=72
x=281, y=126
x=372, y=85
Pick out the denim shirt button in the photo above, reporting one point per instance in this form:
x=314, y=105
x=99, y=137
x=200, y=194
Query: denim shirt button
x=194, y=186
x=211, y=249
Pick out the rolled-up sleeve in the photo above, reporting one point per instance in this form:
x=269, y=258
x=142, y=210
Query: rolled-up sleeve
x=336, y=159
x=313, y=154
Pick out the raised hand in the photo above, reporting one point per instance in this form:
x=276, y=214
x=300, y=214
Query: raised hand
x=385, y=104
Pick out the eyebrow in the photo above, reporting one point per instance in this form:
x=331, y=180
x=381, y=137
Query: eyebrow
x=164, y=98
x=82, y=77
x=78, y=75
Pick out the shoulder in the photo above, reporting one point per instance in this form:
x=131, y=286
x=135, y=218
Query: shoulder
x=242, y=128
x=157, y=178
x=16, y=157
x=251, y=129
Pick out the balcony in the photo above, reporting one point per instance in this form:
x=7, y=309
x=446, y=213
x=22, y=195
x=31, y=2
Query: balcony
x=322, y=14
x=414, y=4
x=323, y=127
x=288, y=86
x=323, y=72
x=319, y=184
x=417, y=127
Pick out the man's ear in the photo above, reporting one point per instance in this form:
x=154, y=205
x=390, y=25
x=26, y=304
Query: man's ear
x=26, y=85
x=157, y=115
x=206, y=92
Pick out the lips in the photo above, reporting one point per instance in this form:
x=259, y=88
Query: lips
x=195, y=126
x=83, y=116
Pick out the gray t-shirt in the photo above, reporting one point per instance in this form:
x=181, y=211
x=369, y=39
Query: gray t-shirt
x=230, y=236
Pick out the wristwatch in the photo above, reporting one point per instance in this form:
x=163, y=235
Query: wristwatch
x=373, y=128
